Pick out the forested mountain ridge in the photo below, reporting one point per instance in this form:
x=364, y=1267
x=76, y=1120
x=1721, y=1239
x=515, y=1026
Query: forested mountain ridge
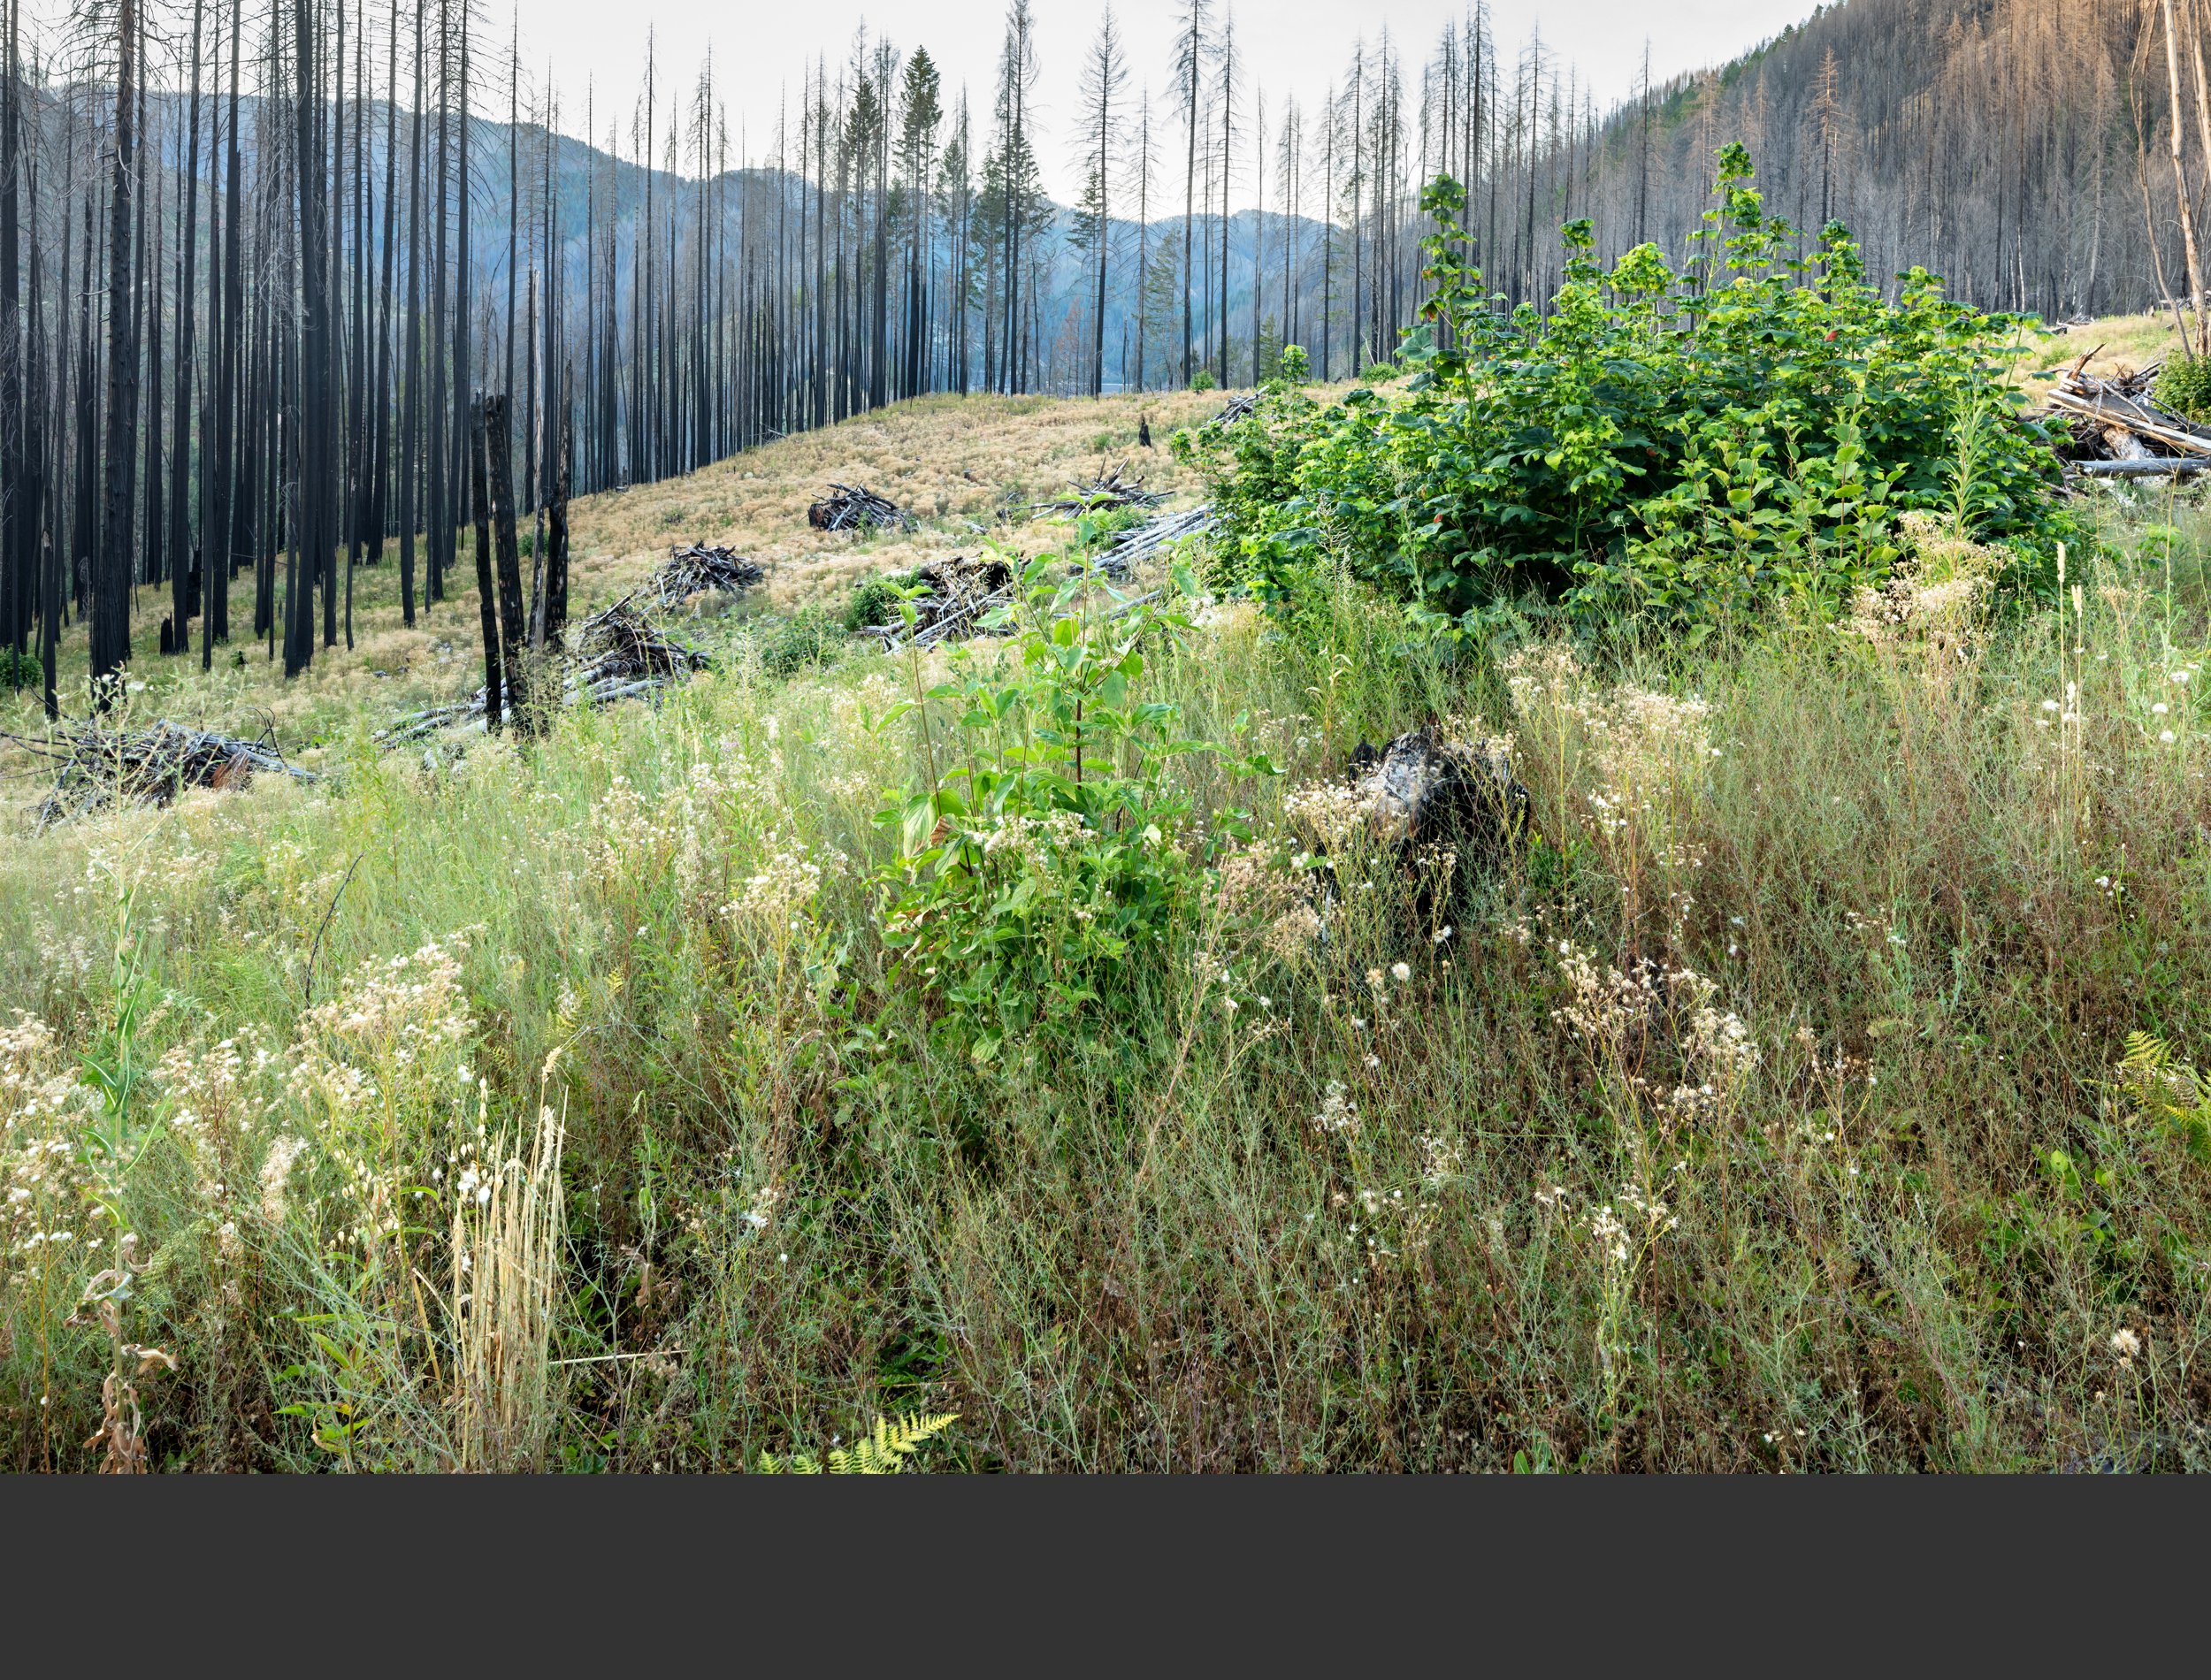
x=2022, y=148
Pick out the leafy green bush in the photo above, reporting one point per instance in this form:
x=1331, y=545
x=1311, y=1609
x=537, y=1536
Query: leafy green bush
x=806, y=637
x=19, y=668
x=1203, y=380
x=874, y=603
x=1379, y=371
x=1100, y=526
x=2184, y=387
x=1050, y=850
x=1673, y=445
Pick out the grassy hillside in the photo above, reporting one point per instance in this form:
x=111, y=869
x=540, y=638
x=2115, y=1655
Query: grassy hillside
x=622, y=1100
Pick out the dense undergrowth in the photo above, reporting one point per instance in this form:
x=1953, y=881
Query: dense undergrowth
x=1033, y=1042
x=1656, y=447
x=1764, y=1111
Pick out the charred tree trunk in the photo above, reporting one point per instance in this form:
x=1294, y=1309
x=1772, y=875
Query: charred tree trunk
x=498, y=437
x=556, y=537
x=111, y=583
x=486, y=600
x=180, y=602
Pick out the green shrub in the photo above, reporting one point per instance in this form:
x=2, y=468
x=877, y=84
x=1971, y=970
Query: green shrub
x=1381, y=371
x=1101, y=525
x=806, y=637
x=875, y=603
x=1203, y=380
x=19, y=668
x=1673, y=445
x=2184, y=387
x=1049, y=854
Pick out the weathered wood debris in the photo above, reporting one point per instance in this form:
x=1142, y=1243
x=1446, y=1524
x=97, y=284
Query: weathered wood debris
x=851, y=508
x=619, y=654
x=961, y=593
x=1141, y=542
x=145, y=767
x=1424, y=791
x=2117, y=428
x=1242, y=408
x=698, y=568
x=1110, y=488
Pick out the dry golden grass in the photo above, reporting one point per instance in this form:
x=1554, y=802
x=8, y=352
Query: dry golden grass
x=949, y=460
x=2115, y=344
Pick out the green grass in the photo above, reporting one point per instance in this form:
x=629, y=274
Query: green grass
x=1909, y=1228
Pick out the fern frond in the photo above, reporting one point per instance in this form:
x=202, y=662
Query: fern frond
x=2146, y=1053
x=913, y=1432
x=881, y=1452
x=2162, y=1089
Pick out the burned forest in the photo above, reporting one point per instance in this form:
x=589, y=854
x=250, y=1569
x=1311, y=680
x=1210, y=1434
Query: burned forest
x=258, y=264
x=1106, y=744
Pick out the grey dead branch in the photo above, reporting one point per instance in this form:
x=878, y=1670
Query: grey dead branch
x=99, y=767
x=2116, y=428
x=851, y=507
x=700, y=568
x=620, y=653
x=1110, y=489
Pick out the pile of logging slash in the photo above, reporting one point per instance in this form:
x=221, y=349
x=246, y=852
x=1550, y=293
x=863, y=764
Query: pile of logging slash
x=619, y=654
x=1242, y=408
x=1110, y=489
x=2117, y=429
x=1141, y=542
x=146, y=766
x=698, y=569
x=849, y=508
x=959, y=594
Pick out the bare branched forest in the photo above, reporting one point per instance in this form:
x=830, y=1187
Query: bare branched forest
x=1465, y=772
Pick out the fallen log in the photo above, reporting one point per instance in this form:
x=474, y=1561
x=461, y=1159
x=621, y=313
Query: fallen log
x=620, y=654
x=1141, y=542
x=2118, y=419
x=2144, y=467
x=146, y=766
x=2138, y=418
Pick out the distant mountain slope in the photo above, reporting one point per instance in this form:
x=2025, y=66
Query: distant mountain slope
x=2007, y=144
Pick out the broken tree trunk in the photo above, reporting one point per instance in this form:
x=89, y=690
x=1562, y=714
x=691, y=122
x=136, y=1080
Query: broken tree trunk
x=554, y=617
x=510, y=609
x=494, y=681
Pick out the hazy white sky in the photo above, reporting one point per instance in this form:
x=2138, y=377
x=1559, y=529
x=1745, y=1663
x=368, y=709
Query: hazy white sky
x=1292, y=47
